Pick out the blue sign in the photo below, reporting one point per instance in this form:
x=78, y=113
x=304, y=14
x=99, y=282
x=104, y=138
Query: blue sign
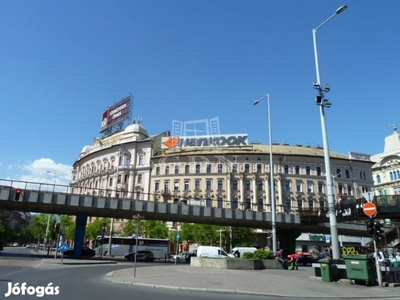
x=63, y=247
x=178, y=236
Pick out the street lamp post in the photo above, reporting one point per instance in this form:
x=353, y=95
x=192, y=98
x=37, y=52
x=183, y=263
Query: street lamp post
x=322, y=104
x=49, y=217
x=220, y=237
x=271, y=167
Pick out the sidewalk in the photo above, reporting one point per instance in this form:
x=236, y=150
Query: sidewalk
x=271, y=282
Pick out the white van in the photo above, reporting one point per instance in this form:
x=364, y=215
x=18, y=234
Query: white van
x=238, y=251
x=211, y=251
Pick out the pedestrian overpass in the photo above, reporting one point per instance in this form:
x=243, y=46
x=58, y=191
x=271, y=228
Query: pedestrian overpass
x=58, y=199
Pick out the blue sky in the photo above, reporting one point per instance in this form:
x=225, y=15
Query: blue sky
x=62, y=63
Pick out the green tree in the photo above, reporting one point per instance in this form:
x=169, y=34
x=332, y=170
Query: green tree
x=129, y=227
x=68, y=227
x=155, y=229
x=94, y=228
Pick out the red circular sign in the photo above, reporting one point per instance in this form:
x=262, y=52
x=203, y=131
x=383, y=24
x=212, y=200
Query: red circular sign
x=369, y=209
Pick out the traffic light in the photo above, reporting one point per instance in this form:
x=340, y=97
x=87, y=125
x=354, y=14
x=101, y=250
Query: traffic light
x=378, y=235
x=103, y=230
x=371, y=226
x=17, y=194
x=57, y=228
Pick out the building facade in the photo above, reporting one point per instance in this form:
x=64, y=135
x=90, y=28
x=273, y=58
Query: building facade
x=237, y=177
x=116, y=166
x=386, y=170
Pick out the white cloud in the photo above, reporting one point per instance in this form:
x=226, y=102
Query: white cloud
x=45, y=170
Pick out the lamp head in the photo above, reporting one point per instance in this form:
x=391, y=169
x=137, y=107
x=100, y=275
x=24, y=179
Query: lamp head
x=256, y=102
x=341, y=9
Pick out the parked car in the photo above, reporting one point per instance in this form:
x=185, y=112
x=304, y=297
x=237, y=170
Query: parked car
x=192, y=253
x=142, y=255
x=86, y=252
x=180, y=257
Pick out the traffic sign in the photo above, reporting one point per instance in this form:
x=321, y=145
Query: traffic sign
x=178, y=236
x=369, y=196
x=63, y=247
x=369, y=209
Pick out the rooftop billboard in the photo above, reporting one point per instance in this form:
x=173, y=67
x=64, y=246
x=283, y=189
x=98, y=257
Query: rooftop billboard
x=115, y=114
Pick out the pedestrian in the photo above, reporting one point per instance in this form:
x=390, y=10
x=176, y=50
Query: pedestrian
x=316, y=254
x=279, y=258
x=326, y=252
x=292, y=261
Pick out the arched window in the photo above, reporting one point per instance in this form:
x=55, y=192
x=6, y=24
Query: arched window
x=220, y=202
x=234, y=203
x=378, y=178
x=208, y=202
x=260, y=204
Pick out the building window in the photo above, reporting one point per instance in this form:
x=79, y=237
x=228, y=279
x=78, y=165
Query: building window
x=247, y=185
x=347, y=174
x=234, y=168
x=110, y=183
x=259, y=168
x=176, y=170
x=197, y=169
x=208, y=202
x=259, y=185
x=286, y=169
x=176, y=186
x=349, y=190
x=158, y=171
x=208, y=168
x=186, y=185
x=320, y=187
x=297, y=170
x=138, y=195
x=235, y=185
x=157, y=186
x=166, y=170
x=127, y=160
x=318, y=171
x=299, y=186
x=287, y=186
x=260, y=204
x=197, y=184
x=220, y=168
x=288, y=205
x=310, y=187
x=340, y=189
x=186, y=169
x=220, y=202
x=220, y=185
x=166, y=186
x=246, y=168
x=299, y=204
x=322, y=204
x=139, y=178
x=338, y=173
x=141, y=159
x=208, y=184
x=247, y=204
x=308, y=170
x=310, y=204
x=378, y=178
x=234, y=203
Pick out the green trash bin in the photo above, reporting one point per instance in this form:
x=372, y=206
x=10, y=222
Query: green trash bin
x=360, y=267
x=326, y=270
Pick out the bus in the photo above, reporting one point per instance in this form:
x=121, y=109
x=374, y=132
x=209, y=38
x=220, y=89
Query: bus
x=124, y=245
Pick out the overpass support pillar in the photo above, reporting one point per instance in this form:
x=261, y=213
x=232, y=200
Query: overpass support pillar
x=287, y=240
x=80, y=226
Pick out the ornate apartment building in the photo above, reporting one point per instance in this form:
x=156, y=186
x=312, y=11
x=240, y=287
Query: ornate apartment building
x=386, y=170
x=116, y=166
x=238, y=176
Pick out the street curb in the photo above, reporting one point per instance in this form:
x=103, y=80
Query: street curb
x=110, y=277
